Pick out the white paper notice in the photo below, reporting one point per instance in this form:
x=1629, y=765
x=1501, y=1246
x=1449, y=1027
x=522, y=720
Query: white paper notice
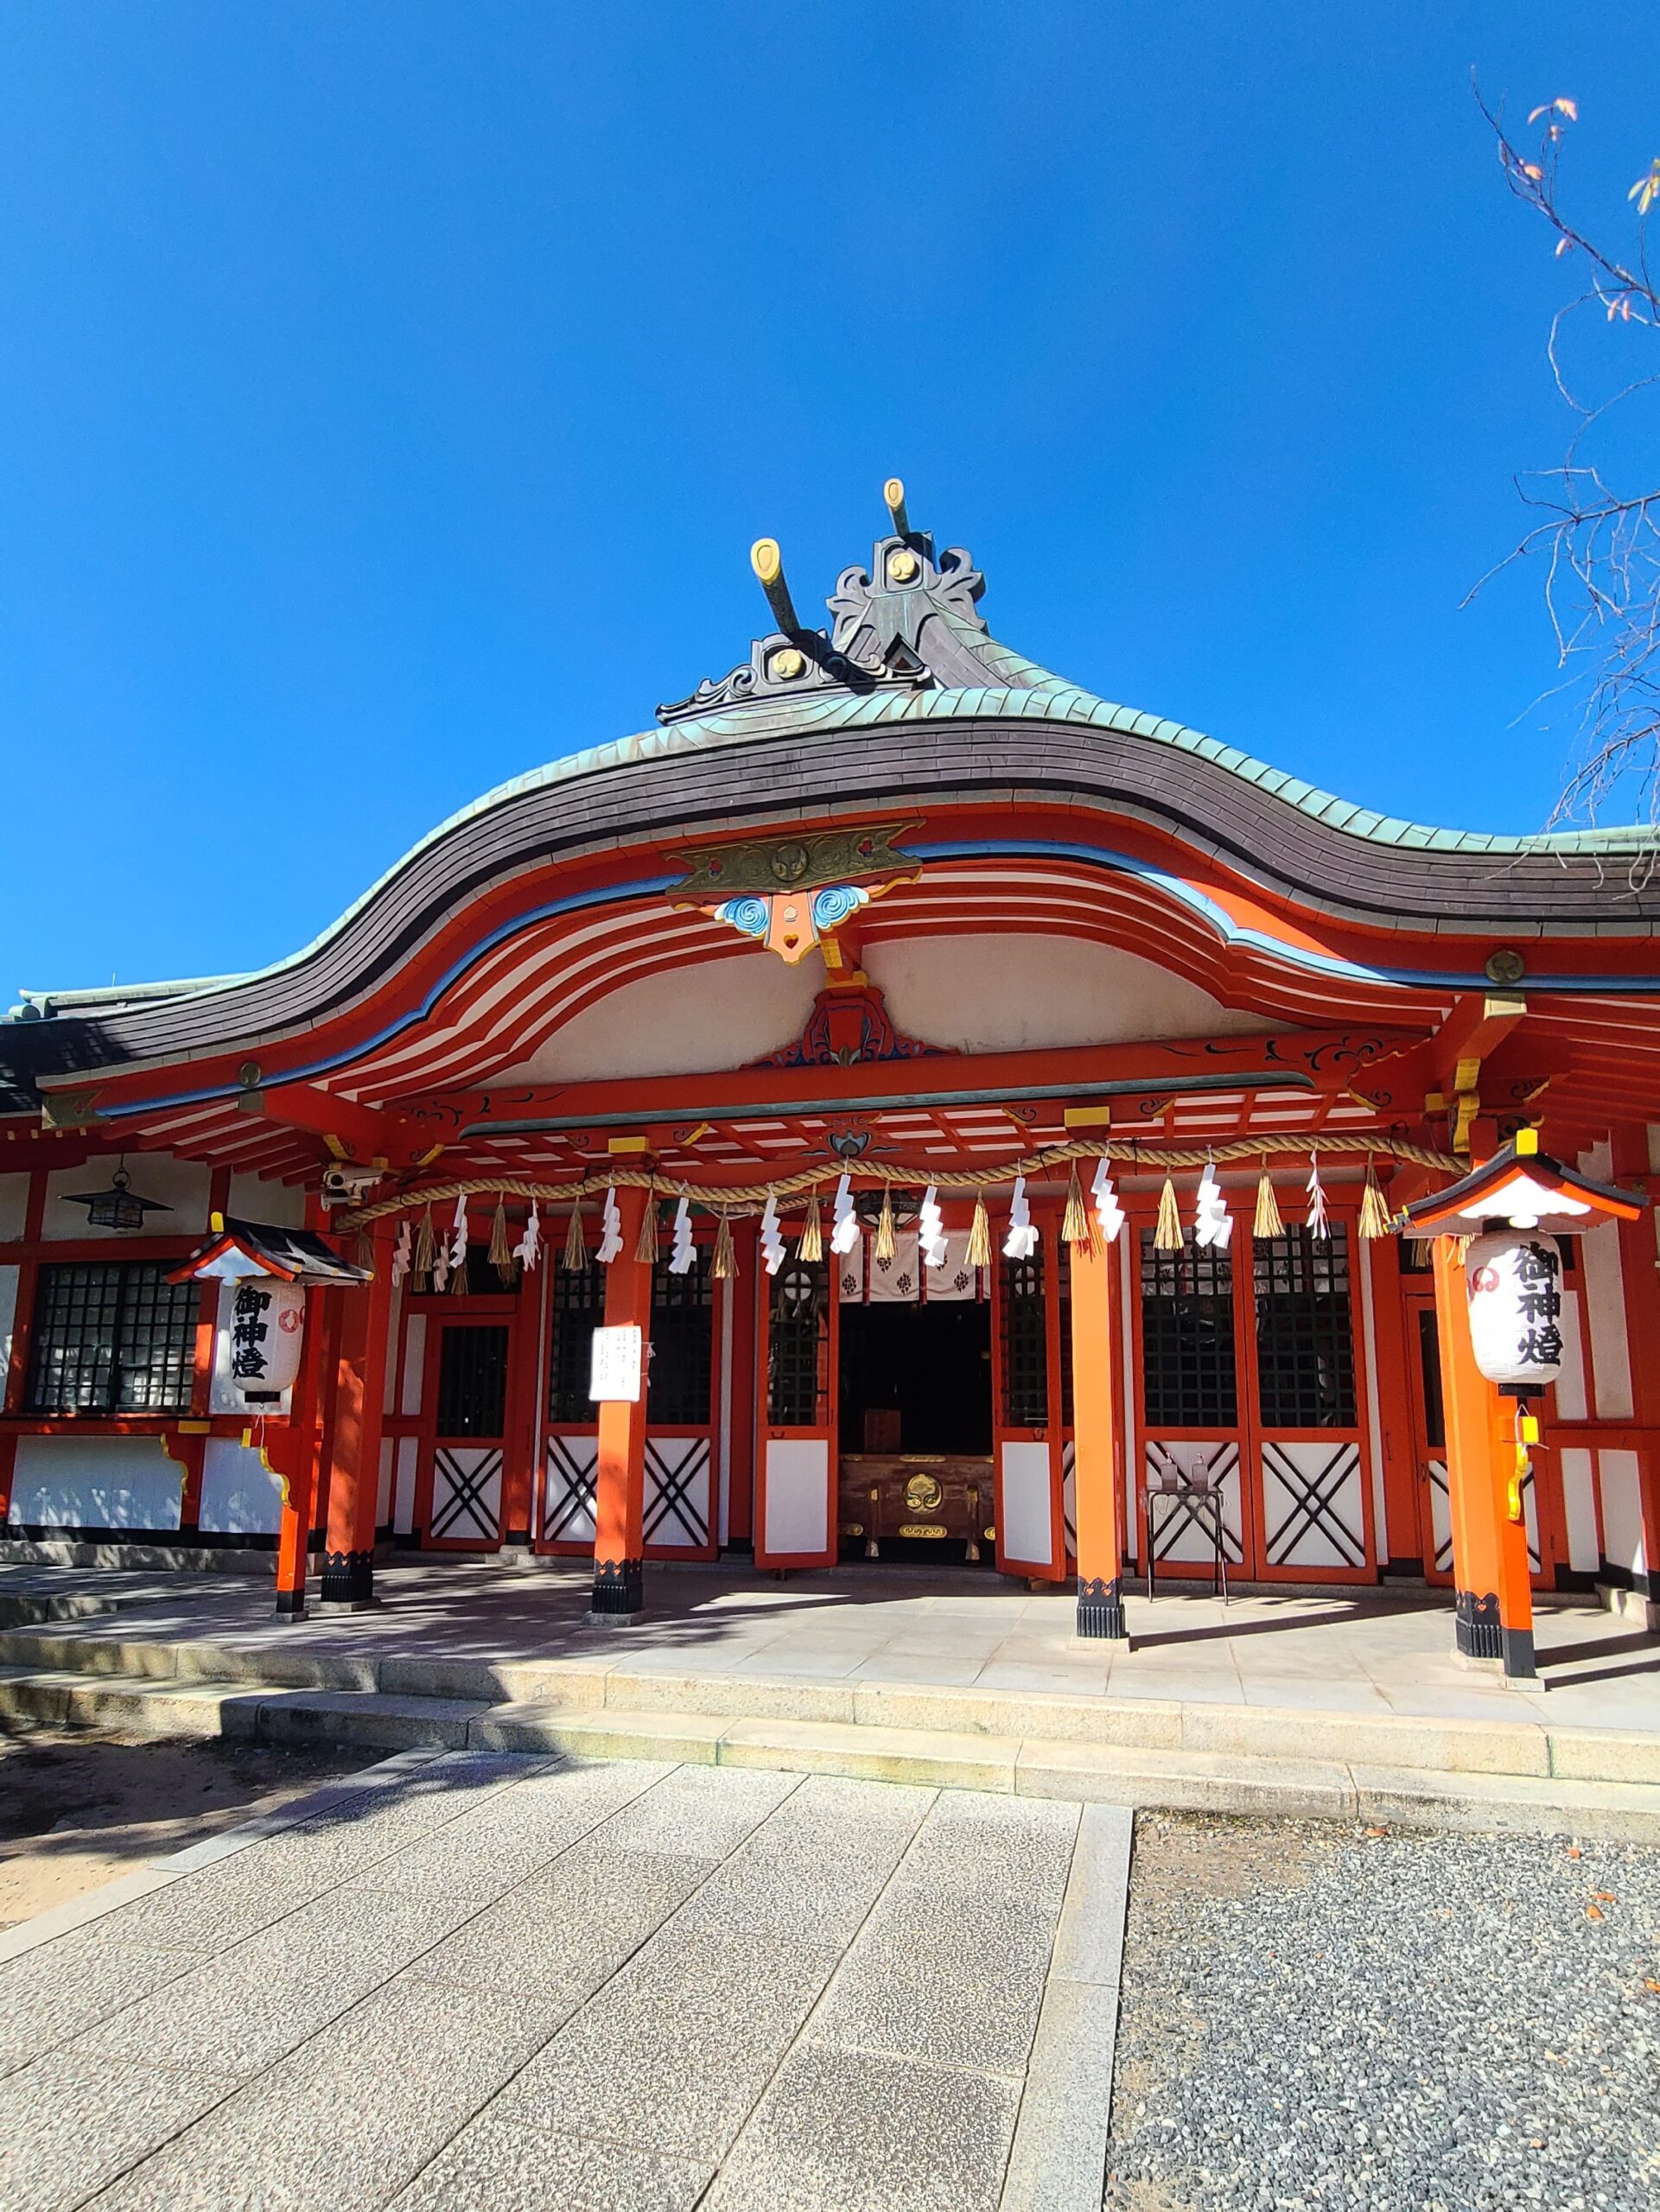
x=615, y=1376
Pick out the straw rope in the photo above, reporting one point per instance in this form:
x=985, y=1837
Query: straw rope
x=734, y=1201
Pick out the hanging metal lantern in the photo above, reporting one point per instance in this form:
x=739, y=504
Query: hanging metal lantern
x=267, y=1330
x=1513, y=1278
x=120, y=1207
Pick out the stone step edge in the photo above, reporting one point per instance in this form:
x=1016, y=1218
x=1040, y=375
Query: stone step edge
x=1033, y=1766
x=1439, y=1744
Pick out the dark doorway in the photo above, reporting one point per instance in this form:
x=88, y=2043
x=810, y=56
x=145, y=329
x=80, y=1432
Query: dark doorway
x=922, y=1374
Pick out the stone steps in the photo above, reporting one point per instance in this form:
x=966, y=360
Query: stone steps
x=1253, y=1781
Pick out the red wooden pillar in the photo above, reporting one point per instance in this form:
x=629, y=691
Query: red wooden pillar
x=1639, y=1270
x=1097, y=1419
x=743, y=1320
x=524, y=1389
x=354, y=1450
x=291, y=1451
x=619, y=1475
x=1493, y=1599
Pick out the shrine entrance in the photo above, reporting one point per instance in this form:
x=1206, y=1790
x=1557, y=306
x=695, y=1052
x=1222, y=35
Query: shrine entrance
x=914, y=1432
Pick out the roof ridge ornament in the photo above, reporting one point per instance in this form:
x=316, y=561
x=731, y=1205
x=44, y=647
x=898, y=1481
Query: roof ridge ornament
x=877, y=641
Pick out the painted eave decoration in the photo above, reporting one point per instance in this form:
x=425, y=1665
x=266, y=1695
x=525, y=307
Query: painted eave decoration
x=1525, y=1186
x=239, y=1250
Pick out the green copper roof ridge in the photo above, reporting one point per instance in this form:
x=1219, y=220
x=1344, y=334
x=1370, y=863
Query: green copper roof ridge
x=1040, y=695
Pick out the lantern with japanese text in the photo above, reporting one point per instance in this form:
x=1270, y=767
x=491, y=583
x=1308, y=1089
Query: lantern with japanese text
x=1513, y=1278
x=267, y=1330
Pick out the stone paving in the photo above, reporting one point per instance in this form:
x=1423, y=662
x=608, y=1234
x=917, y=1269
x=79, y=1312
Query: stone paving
x=1361, y=1651
x=486, y=1980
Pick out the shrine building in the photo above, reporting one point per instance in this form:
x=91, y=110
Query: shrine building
x=981, y=1119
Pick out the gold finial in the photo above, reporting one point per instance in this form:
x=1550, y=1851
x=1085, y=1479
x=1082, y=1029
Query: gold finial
x=768, y=563
x=894, y=493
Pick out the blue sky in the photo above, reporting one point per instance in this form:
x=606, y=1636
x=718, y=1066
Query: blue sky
x=390, y=392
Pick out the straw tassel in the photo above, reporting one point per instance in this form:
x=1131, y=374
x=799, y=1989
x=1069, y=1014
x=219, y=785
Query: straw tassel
x=366, y=1251
x=1075, y=1222
x=426, y=1253
x=1167, y=1237
x=811, y=1246
x=1269, y=1222
x=645, y=1243
x=980, y=1236
x=1374, y=1208
x=886, y=1243
x=725, y=1267
x=459, y=1271
x=501, y=1252
x=575, y=1258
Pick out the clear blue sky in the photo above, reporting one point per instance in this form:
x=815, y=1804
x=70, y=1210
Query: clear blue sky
x=390, y=392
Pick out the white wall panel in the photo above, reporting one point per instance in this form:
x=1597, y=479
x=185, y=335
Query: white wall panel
x=241, y=1496
x=14, y=1204
x=180, y=1185
x=415, y=1363
x=1570, y=1383
x=1579, y=1510
x=798, y=1492
x=257, y=1197
x=1605, y=1301
x=96, y=1482
x=1026, y=1516
x=1622, y=1511
x=409, y=1450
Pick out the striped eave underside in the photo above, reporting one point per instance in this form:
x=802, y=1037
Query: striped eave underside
x=521, y=992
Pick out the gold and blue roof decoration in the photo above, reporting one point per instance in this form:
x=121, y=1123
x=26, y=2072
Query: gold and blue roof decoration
x=793, y=894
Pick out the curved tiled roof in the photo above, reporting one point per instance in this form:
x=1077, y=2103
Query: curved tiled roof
x=1024, y=729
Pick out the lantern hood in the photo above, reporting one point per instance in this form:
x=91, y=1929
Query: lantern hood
x=1526, y=1188
x=239, y=1250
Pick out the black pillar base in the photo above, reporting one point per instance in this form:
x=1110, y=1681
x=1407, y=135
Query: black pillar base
x=1518, y=1644
x=348, y=1578
x=619, y=1590
x=1479, y=1636
x=1101, y=1608
x=290, y=1604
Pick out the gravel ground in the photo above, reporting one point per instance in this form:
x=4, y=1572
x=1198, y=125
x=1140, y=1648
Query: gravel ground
x=1315, y=2017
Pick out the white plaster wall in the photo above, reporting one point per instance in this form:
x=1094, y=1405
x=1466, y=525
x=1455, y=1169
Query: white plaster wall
x=7, y=1319
x=1009, y=993
x=721, y=1014
x=182, y=1184
x=414, y=1360
x=1570, y=1383
x=257, y=1197
x=14, y=1206
x=1027, y=1505
x=408, y=1451
x=1579, y=1510
x=1603, y=1293
x=797, y=1502
x=96, y=1482
x=241, y=1496
x=1622, y=1511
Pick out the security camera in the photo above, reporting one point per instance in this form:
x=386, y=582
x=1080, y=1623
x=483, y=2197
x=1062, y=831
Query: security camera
x=344, y=1184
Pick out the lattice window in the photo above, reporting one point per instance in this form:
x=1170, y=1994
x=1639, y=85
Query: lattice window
x=112, y=1337
x=798, y=1352
x=1025, y=1344
x=472, y=1383
x=678, y=1384
x=578, y=1309
x=1305, y=1331
x=1187, y=1362
x=1063, y=1322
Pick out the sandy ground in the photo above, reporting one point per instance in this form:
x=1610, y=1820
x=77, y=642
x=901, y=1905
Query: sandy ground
x=77, y=1809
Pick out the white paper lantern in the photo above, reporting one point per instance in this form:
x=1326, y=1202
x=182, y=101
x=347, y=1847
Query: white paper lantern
x=1513, y=1278
x=268, y=1320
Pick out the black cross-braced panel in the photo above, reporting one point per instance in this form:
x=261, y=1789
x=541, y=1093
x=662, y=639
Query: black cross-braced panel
x=462, y=1508
x=472, y=1383
x=1187, y=1364
x=578, y=1309
x=682, y=1330
x=568, y=1501
x=112, y=1337
x=1025, y=1344
x=798, y=1351
x=1304, y=1331
x=1313, y=1503
x=676, y=1491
